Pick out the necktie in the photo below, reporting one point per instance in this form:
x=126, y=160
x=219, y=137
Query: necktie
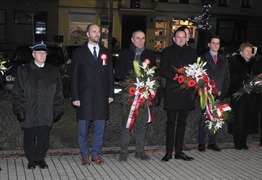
x=94, y=53
x=215, y=59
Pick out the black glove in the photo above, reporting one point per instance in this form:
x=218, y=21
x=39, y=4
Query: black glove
x=56, y=117
x=20, y=116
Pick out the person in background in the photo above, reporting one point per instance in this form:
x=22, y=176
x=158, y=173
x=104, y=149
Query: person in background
x=124, y=65
x=92, y=90
x=244, y=110
x=37, y=99
x=176, y=103
x=218, y=70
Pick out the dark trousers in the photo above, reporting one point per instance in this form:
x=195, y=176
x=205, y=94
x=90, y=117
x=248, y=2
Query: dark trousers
x=173, y=117
x=36, y=142
x=202, y=132
x=139, y=128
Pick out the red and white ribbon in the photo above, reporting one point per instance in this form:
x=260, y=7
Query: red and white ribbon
x=223, y=108
x=131, y=116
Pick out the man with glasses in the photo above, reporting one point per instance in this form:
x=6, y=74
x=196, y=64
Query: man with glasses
x=37, y=99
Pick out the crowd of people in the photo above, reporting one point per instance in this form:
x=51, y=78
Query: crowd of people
x=38, y=99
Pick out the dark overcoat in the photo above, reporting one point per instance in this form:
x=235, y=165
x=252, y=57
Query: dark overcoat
x=176, y=56
x=125, y=61
x=38, y=93
x=92, y=83
x=245, y=108
x=218, y=72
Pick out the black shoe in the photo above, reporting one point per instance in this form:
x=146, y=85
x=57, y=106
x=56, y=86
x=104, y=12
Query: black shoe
x=31, y=165
x=214, y=147
x=123, y=157
x=238, y=147
x=183, y=156
x=245, y=147
x=42, y=164
x=36, y=163
x=202, y=147
x=167, y=157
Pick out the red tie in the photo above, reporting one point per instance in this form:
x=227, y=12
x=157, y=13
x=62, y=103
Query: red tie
x=215, y=59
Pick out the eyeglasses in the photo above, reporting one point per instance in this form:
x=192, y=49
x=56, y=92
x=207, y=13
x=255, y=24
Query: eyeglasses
x=40, y=52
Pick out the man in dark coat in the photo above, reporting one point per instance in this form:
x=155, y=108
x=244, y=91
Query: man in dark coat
x=92, y=88
x=176, y=103
x=124, y=65
x=37, y=103
x=218, y=70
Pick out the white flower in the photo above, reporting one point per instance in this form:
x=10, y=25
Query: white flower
x=139, y=84
x=150, y=72
x=150, y=83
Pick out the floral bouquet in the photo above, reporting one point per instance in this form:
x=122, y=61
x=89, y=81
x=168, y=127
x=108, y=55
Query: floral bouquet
x=139, y=91
x=2, y=67
x=254, y=85
x=194, y=76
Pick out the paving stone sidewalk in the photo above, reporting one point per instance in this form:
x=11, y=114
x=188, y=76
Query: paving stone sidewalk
x=65, y=164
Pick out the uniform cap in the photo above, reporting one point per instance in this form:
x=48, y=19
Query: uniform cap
x=39, y=47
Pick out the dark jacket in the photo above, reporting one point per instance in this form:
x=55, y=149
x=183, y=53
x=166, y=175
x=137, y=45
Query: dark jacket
x=92, y=83
x=244, y=109
x=37, y=92
x=218, y=72
x=125, y=61
x=176, y=56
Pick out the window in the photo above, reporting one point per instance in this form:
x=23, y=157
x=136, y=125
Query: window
x=2, y=26
x=160, y=33
x=223, y=3
x=184, y=1
x=246, y=4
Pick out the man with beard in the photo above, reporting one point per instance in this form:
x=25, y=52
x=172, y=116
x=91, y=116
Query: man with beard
x=92, y=88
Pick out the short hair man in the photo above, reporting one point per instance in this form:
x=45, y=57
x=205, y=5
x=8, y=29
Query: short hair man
x=218, y=70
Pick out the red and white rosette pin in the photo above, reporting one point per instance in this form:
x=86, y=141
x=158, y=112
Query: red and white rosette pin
x=104, y=59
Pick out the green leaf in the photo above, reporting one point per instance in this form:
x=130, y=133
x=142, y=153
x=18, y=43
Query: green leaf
x=202, y=99
x=137, y=68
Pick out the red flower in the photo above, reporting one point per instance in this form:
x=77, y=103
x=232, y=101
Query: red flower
x=175, y=77
x=147, y=61
x=136, y=113
x=181, y=70
x=132, y=91
x=129, y=103
x=205, y=78
x=150, y=103
x=214, y=91
x=191, y=83
x=180, y=79
x=212, y=83
x=142, y=100
x=103, y=57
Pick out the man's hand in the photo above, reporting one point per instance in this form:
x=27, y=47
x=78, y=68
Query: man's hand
x=76, y=103
x=110, y=100
x=20, y=116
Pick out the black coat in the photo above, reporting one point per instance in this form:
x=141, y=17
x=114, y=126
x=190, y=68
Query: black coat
x=218, y=72
x=244, y=109
x=125, y=61
x=175, y=56
x=38, y=93
x=92, y=83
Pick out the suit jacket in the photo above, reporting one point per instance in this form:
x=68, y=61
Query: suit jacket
x=92, y=83
x=125, y=61
x=176, y=56
x=218, y=72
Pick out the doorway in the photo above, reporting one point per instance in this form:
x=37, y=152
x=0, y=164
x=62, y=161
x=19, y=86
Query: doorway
x=131, y=23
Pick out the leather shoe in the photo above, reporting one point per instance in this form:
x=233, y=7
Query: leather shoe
x=31, y=165
x=123, y=157
x=167, y=157
x=142, y=156
x=42, y=164
x=244, y=146
x=98, y=160
x=214, y=147
x=85, y=160
x=183, y=156
x=185, y=148
x=201, y=147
